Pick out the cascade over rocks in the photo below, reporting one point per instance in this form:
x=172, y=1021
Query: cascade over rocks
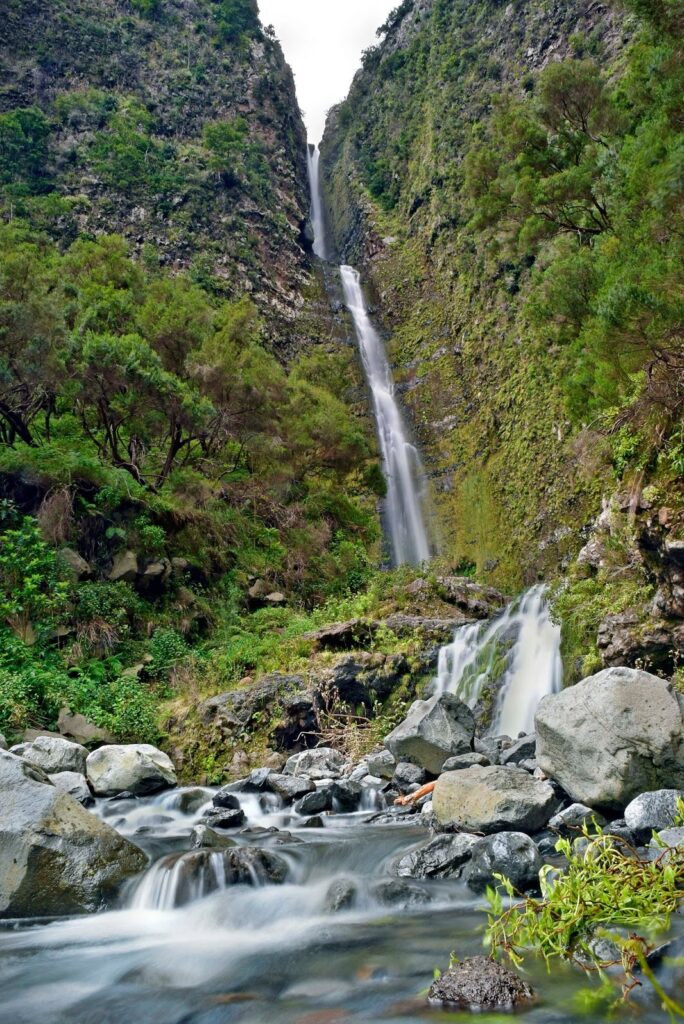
x=55, y=857
x=492, y=799
x=433, y=731
x=137, y=768
x=442, y=857
x=612, y=737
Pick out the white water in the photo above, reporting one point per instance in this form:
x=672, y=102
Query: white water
x=525, y=635
x=317, y=219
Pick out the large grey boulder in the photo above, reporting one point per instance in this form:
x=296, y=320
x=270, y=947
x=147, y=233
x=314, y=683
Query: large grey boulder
x=611, y=737
x=319, y=763
x=512, y=854
x=55, y=857
x=433, y=731
x=137, y=768
x=479, y=984
x=571, y=820
x=443, y=857
x=55, y=755
x=75, y=784
x=654, y=811
x=492, y=799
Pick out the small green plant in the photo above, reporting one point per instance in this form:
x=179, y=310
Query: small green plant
x=31, y=592
x=167, y=648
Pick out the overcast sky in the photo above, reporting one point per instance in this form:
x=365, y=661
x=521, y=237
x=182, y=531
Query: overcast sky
x=323, y=40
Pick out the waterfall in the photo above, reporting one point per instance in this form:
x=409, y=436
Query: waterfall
x=521, y=647
x=402, y=466
x=317, y=221
x=406, y=484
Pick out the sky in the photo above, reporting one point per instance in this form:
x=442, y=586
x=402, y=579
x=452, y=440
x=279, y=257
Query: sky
x=323, y=41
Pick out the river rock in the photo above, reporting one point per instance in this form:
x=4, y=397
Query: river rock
x=315, y=803
x=74, y=783
x=479, y=984
x=54, y=755
x=317, y=764
x=493, y=799
x=224, y=817
x=432, y=731
x=346, y=795
x=55, y=857
x=382, y=764
x=573, y=819
x=611, y=737
x=443, y=857
x=341, y=895
x=137, y=768
x=408, y=777
x=397, y=892
x=455, y=764
x=512, y=854
x=195, y=872
x=523, y=749
x=653, y=811
x=289, y=787
x=203, y=837
x=224, y=798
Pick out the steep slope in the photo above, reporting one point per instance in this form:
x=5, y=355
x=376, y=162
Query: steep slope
x=510, y=175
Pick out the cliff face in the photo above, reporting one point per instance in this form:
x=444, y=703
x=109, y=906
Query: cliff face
x=173, y=123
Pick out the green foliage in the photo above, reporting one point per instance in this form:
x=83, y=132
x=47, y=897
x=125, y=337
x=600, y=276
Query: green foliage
x=234, y=157
x=31, y=592
x=166, y=648
x=24, y=134
x=235, y=19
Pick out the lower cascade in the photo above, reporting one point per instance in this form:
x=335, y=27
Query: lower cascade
x=519, y=651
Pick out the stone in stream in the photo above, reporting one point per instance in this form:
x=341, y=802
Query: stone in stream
x=382, y=764
x=432, y=731
x=224, y=817
x=203, y=837
x=136, y=768
x=443, y=857
x=492, y=799
x=523, y=749
x=653, y=811
x=346, y=795
x=612, y=736
x=341, y=895
x=572, y=820
x=314, y=822
x=479, y=984
x=455, y=764
x=317, y=764
x=289, y=787
x=512, y=854
x=55, y=857
x=316, y=802
x=397, y=892
x=195, y=874
x=224, y=798
x=189, y=800
x=408, y=777
x=54, y=754
x=75, y=784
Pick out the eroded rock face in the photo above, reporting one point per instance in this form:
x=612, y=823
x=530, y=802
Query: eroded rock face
x=479, y=984
x=137, y=768
x=512, y=854
x=433, y=731
x=55, y=857
x=611, y=737
x=493, y=799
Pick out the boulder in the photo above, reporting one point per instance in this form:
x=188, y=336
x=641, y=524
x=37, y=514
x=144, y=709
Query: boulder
x=341, y=635
x=573, y=819
x=203, y=837
x=492, y=799
x=397, y=892
x=443, y=857
x=278, y=701
x=75, y=784
x=315, y=803
x=224, y=817
x=381, y=764
x=611, y=737
x=75, y=562
x=226, y=799
x=346, y=795
x=55, y=755
x=472, y=599
x=125, y=567
x=512, y=854
x=137, y=768
x=523, y=749
x=408, y=777
x=319, y=763
x=455, y=764
x=3, y=742
x=79, y=729
x=55, y=857
x=196, y=873
x=478, y=985
x=289, y=787
x=341, y=895
x=432, y=731
x=653, y=811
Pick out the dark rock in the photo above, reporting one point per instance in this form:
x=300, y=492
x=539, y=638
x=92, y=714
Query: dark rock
x=492, y=799
x=408, y=777
x=189, y=800
x=224, y=817
x=512, y=854
x=433, y=731
x=455, y=764
x=479, y=984
x=346, y=795
x=195, y=873
x=490, y=747
x=341, y=895
x=226, y=800
x=443, y=857
x=342, y=635
x=256, y=782
x=627, y=640
x=289, y=787
x=399, y=893
x=573, y=819
x=472, y=599
x=315, y=822
x=203, y=837
x=315, y=802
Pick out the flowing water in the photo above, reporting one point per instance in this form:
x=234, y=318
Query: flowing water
x=521, y=647
x=317, y=218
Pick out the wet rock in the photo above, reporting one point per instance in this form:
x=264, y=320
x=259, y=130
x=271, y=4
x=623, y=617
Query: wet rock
x=479, y=984
x=314, y=822
x=408, y=777
x=611, y=737
x=455, y=764
x=381, y=764
x=522, y=750
x=512, y=854
x=55, y=755
x=55, y=857
x=190, y=800
x=289, y=787
x=317, y=764
x=137, y=768
x=224, y=817
x=573, y=819
x=75, y=784
x=493, y=799
x=316, y=802
x=653, y=811
x=433, y=730
x=195, y=873
x=226, y=799
x=125, y=567
x=79, y=729
x=341, y=895
x=443, y=857
x=203, y=837
x=399, y=893
x=346, y=795
x=255, y=782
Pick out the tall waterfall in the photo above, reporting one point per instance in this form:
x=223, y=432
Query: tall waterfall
x=522, y=645
x=402, y=467
x=406, y=484
x=317, y=219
